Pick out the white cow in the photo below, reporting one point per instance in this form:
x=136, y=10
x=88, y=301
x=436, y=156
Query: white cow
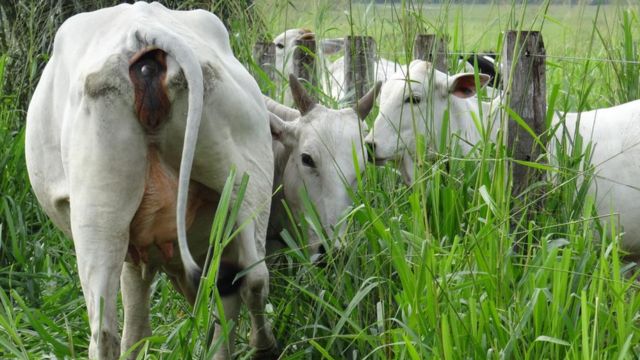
x=313, y=151
x=332, y=75
x=115, y=115
x=614, y=131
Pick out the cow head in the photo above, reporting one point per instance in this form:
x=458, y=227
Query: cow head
x=285, y=45
x=322, y=145
x=413, y=101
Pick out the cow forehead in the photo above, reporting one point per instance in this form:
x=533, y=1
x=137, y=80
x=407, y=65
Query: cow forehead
x=290, y=35
x=330, y=129
x=417, y=78
x=336, y=122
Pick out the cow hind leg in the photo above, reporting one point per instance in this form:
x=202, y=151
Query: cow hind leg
x=254, y=291
x=100, y=262
x=231, y=304
x=135, y=300
x=106, y=167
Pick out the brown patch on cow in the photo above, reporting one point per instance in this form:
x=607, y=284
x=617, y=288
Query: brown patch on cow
x=148, y=72
x=155, y=220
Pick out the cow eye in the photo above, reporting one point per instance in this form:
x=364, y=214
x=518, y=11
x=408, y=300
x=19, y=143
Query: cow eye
x=280, y=46
x=412, y=99
x=307, y=161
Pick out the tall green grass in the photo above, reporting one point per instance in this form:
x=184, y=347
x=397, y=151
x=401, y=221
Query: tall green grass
x=427, y=271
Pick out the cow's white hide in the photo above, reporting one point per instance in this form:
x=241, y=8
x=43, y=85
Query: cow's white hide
x=614, y=132
x=90, y=159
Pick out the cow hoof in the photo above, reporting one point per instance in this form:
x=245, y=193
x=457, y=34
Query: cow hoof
x=271, y=353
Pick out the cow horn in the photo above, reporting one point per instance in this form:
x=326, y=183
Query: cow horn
x=365, y=104
x=284, y=112
x=303, y=101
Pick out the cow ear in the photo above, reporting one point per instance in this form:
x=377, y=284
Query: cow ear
x=464, y=85
x=331, y=46
x=282, y=131
x=365, y=104
x=303, y=101
x=307, y=35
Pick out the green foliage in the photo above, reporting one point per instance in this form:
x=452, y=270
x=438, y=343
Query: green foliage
x=446, y=268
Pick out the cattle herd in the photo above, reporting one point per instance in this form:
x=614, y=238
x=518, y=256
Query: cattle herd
x=142, y=112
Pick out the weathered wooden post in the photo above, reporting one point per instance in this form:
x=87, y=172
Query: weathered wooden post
x=523, y=66
x=359, y=63
x=304, y=59
x=264, y=53
x=431, y=48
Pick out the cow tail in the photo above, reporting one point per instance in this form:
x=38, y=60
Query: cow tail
x=187, y=60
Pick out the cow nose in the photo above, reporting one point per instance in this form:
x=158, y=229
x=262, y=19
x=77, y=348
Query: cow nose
x=371, y=151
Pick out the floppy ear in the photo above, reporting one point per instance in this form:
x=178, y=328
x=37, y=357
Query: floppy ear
x=283, y=131
x=303, y=101
x=365, y=104
x=464, y=85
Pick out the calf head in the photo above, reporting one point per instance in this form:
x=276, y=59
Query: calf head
x=414, y=101
x=322, y=145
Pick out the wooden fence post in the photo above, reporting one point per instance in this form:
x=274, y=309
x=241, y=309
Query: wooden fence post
x=304, y=60
x=432, y=48
x=264, y=53
x=359, y=63
x=523, y=66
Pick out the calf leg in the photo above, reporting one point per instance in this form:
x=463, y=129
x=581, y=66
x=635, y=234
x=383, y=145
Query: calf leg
x=135, y=300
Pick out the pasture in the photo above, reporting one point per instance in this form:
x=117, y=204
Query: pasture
x=449, y=267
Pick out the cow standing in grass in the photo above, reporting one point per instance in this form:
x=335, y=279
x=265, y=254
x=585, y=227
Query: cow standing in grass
x=130, y=95
x=415, y=103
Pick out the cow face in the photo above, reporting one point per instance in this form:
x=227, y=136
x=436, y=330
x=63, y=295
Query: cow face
x=413, y=101
x=325, y=155
x=285, y=46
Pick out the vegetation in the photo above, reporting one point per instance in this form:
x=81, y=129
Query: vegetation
x=447, y=268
